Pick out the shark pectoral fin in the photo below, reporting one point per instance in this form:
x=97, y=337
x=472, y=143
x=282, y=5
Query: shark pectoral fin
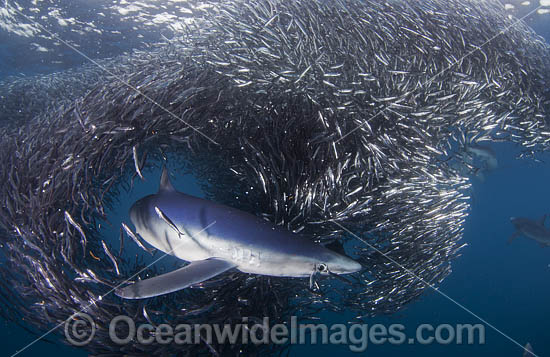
x=513, y=236
x=194, y=273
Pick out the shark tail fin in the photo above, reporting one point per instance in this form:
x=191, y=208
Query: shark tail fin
x=194, y=273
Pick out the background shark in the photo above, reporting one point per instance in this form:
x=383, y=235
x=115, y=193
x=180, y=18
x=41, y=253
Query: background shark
x=216, y=238
x=531, y=229
x=528, y=350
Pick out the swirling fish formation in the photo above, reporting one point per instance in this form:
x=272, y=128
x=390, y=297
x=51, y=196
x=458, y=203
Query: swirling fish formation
x=316, y=115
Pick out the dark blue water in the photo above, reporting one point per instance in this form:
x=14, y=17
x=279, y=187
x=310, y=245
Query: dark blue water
x=507, y=285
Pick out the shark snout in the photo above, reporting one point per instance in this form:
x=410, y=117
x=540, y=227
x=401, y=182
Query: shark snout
x=343, y=265
x=517, y=222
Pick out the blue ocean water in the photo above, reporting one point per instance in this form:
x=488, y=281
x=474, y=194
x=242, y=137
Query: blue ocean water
x=504, y=284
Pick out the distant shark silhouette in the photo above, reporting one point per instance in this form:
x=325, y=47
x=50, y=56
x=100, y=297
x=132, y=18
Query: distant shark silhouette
x=216, y=238
x=475, y=160
x=528, y=351
x=531, y=229
x=485, y=154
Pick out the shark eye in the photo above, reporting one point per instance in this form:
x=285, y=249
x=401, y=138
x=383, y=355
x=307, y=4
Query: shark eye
x=322, y=268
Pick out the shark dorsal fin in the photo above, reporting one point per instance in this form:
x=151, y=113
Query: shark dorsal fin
x=165, y=183
x=337, y=247
x=542, y=220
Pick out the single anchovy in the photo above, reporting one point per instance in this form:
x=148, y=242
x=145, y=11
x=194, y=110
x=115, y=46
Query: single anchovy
x=121, y=247
x=136, y=162
x=168, y=221
x=146, y=315
x=136, y=239
x=72, y=222
x=111, y=256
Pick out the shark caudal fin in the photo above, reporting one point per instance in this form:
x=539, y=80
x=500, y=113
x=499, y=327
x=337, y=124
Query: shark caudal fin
x=194, y=273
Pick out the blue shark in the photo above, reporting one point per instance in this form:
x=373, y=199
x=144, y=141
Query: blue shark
x=475, y=160
x=485, y=154
x=535, y=230
x=215, y=238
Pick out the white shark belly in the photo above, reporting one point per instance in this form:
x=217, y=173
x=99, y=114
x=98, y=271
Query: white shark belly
x=182, y=247
x=254, y=260
x=197, y=245
x=542, y=240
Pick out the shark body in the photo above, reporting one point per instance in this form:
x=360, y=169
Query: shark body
x=485, y=154
x=216, y=238
x=535, y=230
